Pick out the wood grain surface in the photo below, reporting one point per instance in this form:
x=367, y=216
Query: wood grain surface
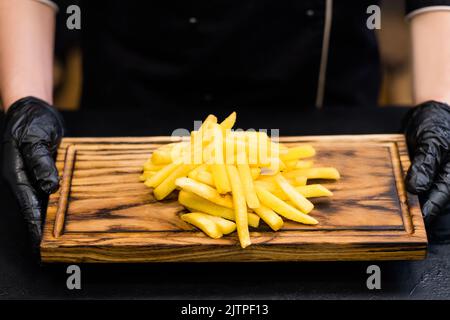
x=103, y=213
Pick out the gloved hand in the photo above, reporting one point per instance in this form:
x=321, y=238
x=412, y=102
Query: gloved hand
x=33, y=130
x=427, y=130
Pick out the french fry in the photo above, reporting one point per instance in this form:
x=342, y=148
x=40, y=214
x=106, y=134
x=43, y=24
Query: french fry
x=304, y=164
x=277, y=164
x=240, y=207
x=268, y=184
x=298, y=199
x=210, y=119
x=146, y=175
x=282, y=208
x=290, y=164
x=168, y=185
x=162, y=174
x=299, y=181
x=299, y=152
x=298, y=164
x=308, y=191
x=204, y=177
x=248, y=187
x=314, y=191
x=150, y=166
x=234, y=144
x=218, y=168
x=204, y=191
x=161, y=156
x=315, y=173
x=196, y=203
x=202, y=167
x=204, y=223
x=203, y=130
x=220, y=178
x=225, y=226
x=196, y=148
x=255, y=172
x=228, y=123
x=272, y=219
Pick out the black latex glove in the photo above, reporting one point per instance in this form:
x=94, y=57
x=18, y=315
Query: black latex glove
x=33, y=130
x=428, y=136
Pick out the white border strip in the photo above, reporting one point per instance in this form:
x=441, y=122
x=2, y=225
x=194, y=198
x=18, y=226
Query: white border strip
x=49, y=3
x=324, y=57
x=426, y=9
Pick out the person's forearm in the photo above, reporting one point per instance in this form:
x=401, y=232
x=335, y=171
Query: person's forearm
x=26, y=50
x=431, y=56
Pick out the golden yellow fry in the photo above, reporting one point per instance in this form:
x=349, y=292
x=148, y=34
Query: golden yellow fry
x=304, y=164
x=308, y=191
x=150, y=166
x=264, y=150
x=168, y=185
x=162, y=174
x=240, y=207
x=203, y=131
x=247, y=185
x=268, y=183
x=282, y=208
x=204, y=177
x=193, y=174
x=201, y=221
x=280, y=194
x=290, y=164
x=208, y=152
x=161, y=156
x=202, y=167
x=315, y=173
x=146, y=175
x=275, y=165
x=269, y=216
x=233, y=145
x=229, y=122
x=299, y=181
x=218, y=167
x=252, y=147
x=298, y=199
x=299, y=152
x=298, y=164
x=196, y=148
x=255, y=172
x=196, y=203
x=210, y=119
x=204, y=191
x=314, y=190
x=225, y=226
x=220, y=178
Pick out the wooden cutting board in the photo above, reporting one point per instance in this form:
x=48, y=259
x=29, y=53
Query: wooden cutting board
x=103, y=213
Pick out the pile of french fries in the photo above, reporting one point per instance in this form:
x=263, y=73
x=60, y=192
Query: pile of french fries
x=229, y=179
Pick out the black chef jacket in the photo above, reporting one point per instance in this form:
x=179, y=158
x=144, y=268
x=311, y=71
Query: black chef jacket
x=230, y=54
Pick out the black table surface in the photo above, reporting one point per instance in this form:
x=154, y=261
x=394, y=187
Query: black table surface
x=22, y=278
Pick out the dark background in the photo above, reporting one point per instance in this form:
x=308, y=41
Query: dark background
x=21, y=277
